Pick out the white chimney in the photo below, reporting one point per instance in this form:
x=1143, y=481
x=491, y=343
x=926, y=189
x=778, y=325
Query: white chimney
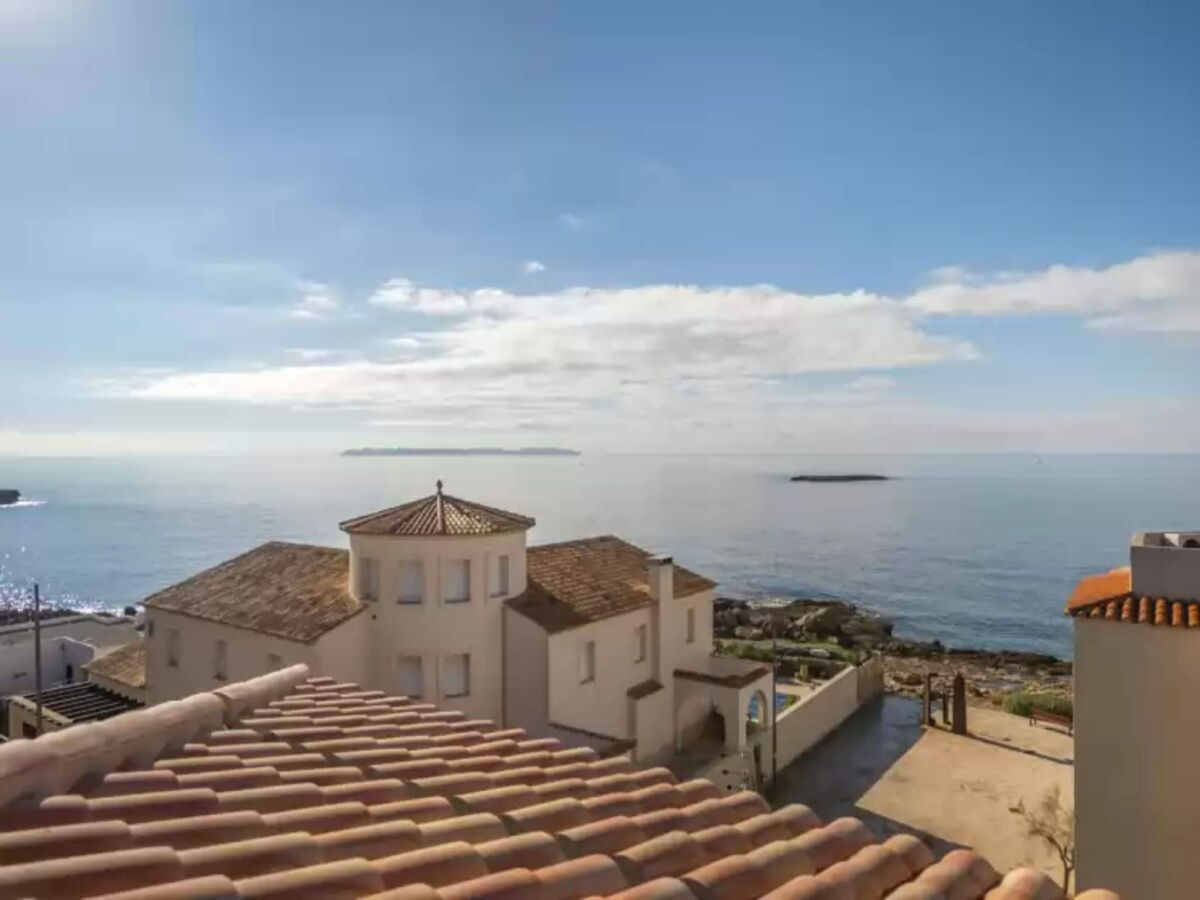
x=662, y=578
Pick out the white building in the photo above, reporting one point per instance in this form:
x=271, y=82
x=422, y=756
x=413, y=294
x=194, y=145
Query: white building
x=1137, y=721
x=441, y=598
x=68, y=644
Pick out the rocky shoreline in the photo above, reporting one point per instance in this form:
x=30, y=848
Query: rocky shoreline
x=818, y=630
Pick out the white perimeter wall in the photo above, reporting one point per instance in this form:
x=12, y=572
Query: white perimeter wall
x=1137, y=735
x=809, y=720
x=95, y=630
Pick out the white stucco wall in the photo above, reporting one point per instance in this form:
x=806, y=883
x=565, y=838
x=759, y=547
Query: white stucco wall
x=61, y=656
x=526, y=674
x=339, y=654
x=600, y=705
x=1137, y=730
x=1171, y=572
x=435, y=629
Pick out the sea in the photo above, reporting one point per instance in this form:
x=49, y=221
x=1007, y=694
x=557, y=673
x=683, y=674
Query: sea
x=972, y=550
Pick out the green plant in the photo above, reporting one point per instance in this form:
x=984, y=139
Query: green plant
x=1020, y=703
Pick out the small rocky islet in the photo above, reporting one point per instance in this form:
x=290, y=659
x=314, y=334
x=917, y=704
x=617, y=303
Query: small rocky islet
x=821, y=634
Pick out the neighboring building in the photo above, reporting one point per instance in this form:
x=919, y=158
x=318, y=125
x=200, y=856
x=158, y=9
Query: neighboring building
x=121, y=670
x=1137, y=721
x=68, y=643
x=63, y=706
x=483, y=813
x=441, y=599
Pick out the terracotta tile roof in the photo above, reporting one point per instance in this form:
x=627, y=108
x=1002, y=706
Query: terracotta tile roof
x=438, y=514
x=125, y=665
x=576, y=582
x=293, y=591
x=1109, y=596
x=1114, y=583
x=177, y=801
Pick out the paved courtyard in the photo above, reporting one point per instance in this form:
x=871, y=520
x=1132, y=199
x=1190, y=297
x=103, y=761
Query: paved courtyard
x=953, y=791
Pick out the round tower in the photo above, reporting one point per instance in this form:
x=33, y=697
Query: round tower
x=433, y=575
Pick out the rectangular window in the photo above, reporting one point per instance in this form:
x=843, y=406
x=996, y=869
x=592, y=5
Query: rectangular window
x=173, y=647
x=412, y=581
x=410, y=676
x=368, y=579
x=456, y=675
x=500, y=576
x=691, y=626
x=587, y=663
x=639, y=634
x=150, y=628
x=274, y=662
x=458, y=581
x=221, y=661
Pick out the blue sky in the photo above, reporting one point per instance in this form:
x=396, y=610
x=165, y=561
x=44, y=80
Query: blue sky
x=676, y=226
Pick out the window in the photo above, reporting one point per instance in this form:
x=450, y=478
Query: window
x=587, y=663
x=221, y=661
x=150, y=628
x=173, y=647
x=456, y=675
x=691, y=626
x=500, y=576
x=274, y=662
x=410, y=676
x=639, y=635
x=412, y=581
x=368, y=579
x=458, y=581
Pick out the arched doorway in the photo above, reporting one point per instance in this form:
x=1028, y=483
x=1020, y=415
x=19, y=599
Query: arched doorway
x=757, y=713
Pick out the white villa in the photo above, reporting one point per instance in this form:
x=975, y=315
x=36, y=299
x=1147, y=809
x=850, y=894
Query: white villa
x=441, y=599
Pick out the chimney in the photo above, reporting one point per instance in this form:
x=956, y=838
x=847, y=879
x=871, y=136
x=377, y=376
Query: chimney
x=662, y=578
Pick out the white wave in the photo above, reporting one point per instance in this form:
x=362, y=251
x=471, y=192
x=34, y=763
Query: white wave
x=21, y=503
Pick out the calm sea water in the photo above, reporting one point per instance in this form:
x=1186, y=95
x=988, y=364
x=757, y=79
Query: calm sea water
x=974, y=550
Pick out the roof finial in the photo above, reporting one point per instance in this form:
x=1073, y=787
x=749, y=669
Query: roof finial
x=439, y=487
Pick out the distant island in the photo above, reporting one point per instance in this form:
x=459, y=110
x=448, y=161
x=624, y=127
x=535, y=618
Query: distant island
x=460, y=451
x=837, y=479
x=9, y=496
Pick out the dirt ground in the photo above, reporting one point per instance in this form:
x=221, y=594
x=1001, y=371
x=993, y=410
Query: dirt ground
x=962, y=789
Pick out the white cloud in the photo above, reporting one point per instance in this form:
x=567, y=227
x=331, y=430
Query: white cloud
x=533, y=267
x=596, y=358
x=317, y=302
x=1155, y=293
x=309, y=354
x=403, y=295
x=573, y=221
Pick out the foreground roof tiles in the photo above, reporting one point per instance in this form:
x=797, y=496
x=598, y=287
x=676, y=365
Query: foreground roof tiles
x=293, y=591
x=226, y=795
x=438, y=514
x=1110, y=597
x=576, y=582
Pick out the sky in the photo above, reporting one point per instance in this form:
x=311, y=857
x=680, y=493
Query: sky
x=620, y=226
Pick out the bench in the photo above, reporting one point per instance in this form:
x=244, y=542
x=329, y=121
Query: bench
x=1038, y=715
